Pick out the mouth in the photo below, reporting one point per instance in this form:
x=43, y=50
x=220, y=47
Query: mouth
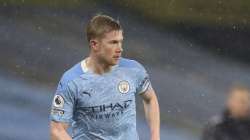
x=117, y=57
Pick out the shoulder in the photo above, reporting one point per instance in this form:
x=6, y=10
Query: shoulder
x=210, y=129
x=129, y=63
x=215, y=120
x=71, y=74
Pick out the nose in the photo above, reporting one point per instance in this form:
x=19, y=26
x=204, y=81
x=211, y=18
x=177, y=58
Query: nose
x=119, y=48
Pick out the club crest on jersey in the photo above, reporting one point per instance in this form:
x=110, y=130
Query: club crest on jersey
x=58, y=101
x=123, y=87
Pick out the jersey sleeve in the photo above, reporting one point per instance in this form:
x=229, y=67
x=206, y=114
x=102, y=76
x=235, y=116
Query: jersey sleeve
x=143, y=82
x=63, y=103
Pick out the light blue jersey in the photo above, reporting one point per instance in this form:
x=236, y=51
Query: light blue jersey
x=100, y=107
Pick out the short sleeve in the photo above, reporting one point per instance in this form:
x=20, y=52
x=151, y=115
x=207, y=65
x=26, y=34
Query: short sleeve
x=143, y=80
x=63, y=103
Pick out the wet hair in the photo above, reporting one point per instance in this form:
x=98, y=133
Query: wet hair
x=101, y=24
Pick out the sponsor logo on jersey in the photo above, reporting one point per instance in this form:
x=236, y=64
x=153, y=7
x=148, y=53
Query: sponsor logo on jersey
x=105, y=111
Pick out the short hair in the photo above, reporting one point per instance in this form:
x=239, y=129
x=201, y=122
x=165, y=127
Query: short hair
x=240, y=87
x=101, y=24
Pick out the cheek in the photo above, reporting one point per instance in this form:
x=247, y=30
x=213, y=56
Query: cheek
x=105, y=53
x=244, y=105
x=241, y=106
x=109, y=50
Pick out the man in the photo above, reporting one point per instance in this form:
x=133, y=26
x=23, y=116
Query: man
x=234, y=124
x=97, y=96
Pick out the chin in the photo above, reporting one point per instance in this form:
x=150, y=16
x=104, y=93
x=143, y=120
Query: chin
x=114, y=62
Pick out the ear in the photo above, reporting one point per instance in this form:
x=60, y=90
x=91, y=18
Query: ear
x=93, y=44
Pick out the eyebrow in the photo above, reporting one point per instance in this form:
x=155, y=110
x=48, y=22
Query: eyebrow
x=116, y=40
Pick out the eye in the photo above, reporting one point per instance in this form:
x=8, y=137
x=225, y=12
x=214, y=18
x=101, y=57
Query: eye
x=114, y=42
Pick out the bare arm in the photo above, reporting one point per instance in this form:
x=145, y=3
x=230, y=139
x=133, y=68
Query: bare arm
x=152, y=112
x=58, y=131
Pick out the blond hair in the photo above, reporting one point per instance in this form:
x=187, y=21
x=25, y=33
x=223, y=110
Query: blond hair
x=101, y=24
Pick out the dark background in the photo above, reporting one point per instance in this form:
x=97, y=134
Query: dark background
x=193, y=51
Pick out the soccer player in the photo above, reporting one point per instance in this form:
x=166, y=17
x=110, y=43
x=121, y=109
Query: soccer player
x=96, y=97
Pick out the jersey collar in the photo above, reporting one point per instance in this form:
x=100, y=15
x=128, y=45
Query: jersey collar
x=84, y=66
x=85, y=69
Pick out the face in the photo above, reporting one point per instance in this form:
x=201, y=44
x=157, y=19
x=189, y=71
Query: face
x=108, y=49
x=238, y=103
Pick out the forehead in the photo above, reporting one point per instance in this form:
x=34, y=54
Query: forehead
x=240, y=94
x=115, y=34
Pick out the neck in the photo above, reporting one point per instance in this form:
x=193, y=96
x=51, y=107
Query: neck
x=97, y=66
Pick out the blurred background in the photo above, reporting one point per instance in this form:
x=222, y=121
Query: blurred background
x=193, y=50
